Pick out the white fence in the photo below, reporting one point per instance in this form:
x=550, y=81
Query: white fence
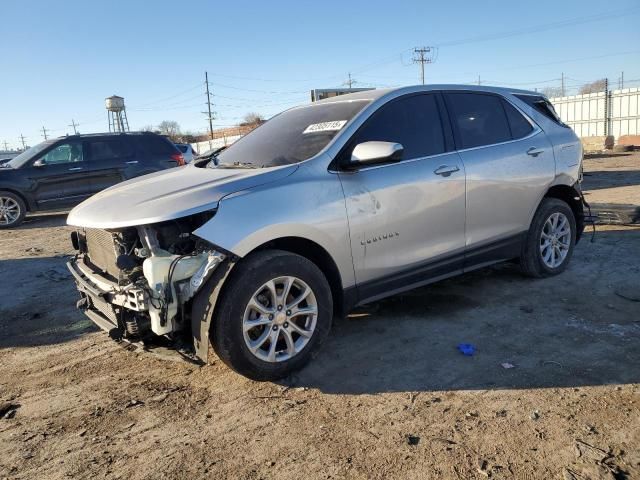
x=202, y=147
x=616, y=112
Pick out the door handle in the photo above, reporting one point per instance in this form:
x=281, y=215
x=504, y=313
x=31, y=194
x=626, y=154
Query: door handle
x=446, y=170
x=534, y=152
x=75, y=169
x=132, y=162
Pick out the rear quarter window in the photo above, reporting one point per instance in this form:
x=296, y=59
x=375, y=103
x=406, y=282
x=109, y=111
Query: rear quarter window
x=544, y=106
x=520, y=126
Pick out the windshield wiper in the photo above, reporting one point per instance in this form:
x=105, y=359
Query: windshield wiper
x=237, y=165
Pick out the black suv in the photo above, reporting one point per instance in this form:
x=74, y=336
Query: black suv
x=60, y=173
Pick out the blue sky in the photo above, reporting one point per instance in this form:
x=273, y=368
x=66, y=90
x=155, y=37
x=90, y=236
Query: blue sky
x=60, y=59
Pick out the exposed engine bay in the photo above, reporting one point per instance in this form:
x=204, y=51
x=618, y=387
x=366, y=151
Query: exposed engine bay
x=138, y=282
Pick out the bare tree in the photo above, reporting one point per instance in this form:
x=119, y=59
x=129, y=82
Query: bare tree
x=252, y=118
x=147, y=128
x=170, y=128
x=188, y=137
x=551, y=92
x=595, y=86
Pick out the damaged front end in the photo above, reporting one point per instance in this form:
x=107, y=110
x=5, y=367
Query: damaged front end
x=138, y=283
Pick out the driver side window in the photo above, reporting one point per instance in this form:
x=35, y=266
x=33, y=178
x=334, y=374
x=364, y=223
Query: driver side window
x=70, y=152
x=413, y=121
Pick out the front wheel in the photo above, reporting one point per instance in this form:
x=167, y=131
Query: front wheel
x=275, y=311
x=550, y=240
x=12, y=210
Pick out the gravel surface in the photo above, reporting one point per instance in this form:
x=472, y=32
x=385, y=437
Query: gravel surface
x=553, y=390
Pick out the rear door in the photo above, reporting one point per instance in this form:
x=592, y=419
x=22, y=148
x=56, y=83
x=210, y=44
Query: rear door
x=59, y=176
x=111, y=160
x=509, y=163
x=406, y=219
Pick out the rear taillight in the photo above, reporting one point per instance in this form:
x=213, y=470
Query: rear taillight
x=179, y=158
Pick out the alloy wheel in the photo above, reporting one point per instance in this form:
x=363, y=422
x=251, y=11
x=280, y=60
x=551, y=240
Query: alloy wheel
x=555, y=240
x=9, y=211
x=280, y=319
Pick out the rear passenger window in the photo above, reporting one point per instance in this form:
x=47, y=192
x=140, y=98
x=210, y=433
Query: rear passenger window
x=520, y=126
x=480, y=119
x=108, y=149
x=411, y=121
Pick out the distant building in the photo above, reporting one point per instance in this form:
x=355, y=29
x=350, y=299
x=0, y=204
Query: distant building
x=8, y=154
x=322, y=93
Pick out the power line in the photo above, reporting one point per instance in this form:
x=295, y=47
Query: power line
x=190, y=89
x=543, y=27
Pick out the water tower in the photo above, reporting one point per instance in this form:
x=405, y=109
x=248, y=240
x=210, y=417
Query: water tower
x=117, y=114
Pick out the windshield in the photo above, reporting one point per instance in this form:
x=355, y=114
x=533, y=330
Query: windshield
x=291, y=137
x=28, y=154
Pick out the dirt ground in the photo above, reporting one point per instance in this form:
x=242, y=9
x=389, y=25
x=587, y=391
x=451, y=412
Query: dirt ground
x=553, y=390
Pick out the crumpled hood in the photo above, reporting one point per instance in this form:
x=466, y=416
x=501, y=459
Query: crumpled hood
x=168, y=195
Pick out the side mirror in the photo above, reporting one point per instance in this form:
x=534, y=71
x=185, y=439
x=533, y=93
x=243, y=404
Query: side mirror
x=372, y=153
x=39, y=163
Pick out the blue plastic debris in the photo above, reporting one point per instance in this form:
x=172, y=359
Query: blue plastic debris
x=467, y=349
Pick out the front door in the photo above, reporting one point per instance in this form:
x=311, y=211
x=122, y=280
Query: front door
x=406, y=219
x=59, y=176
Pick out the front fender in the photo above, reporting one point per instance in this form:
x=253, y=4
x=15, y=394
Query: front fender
x=309, y=204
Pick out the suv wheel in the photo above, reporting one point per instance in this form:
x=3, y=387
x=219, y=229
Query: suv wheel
x=550, y=241
x=12, y=210
x=275, y=311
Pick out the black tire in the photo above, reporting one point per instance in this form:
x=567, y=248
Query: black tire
x=531, y=260
x=20, y=204
x=245, y=279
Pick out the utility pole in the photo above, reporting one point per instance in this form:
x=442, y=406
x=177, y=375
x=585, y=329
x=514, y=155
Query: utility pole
x=479, y=82
x=423, y=55
x=24, y=145
x=621, y=80
x=562, y=83
x=350, y=82
x=44, y=133
x=209, y=113
x=607, y=108
x=74, y=125
x=6, y=148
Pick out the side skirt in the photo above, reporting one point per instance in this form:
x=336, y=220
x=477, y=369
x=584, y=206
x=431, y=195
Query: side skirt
x=434, y=271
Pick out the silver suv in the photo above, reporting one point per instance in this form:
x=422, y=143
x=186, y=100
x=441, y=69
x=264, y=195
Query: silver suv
x=325, y=207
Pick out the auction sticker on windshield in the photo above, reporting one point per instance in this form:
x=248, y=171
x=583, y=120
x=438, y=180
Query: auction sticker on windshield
x=325, y=126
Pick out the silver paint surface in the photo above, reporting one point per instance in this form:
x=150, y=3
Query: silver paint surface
x=493, y=195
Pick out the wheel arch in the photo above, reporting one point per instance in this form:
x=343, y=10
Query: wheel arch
x=205, y=306
x=571, y=196
x=319, y=256
x=21, y=195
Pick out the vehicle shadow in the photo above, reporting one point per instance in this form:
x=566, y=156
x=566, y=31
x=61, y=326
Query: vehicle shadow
x=607, y=155
x=43, y=220
x=565, y=331
x=37, y=303
x=596, y=180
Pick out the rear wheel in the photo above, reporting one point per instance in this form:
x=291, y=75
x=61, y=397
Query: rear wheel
x=550, y=240
x=274, y=313
x=12, y=210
